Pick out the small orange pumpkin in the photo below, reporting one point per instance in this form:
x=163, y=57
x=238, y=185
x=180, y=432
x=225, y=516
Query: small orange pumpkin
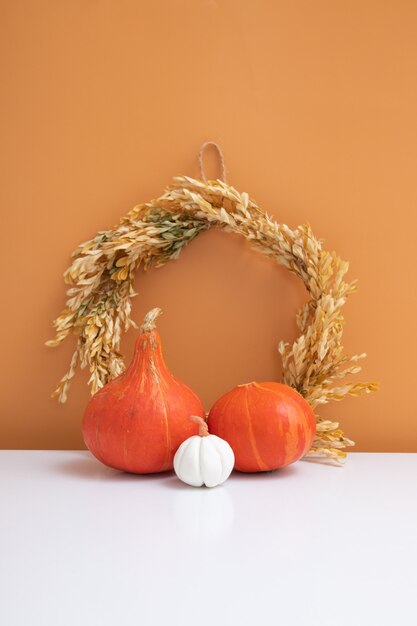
x=268, y=425
x=138, y=420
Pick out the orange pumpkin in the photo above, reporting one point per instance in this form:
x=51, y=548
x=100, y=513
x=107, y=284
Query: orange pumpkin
x=268, y=425
x=137, y=421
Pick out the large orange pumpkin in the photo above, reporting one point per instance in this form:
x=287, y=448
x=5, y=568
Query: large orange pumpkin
x=268, y=425
x=138, y=420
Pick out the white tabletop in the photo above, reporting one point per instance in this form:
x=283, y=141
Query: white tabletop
x=311, y=544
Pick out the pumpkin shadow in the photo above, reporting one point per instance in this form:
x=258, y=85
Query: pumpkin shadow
x=86, y=467
x=176, y=484
x=322, y=461
x=278, y=474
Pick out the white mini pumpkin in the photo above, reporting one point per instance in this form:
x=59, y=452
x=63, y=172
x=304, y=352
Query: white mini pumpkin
x=203, y=459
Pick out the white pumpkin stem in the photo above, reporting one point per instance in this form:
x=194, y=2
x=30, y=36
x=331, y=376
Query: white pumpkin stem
x=202, y=425
x=148, y=323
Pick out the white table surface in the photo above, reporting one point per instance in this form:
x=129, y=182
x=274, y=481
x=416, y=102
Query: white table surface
x=311, y=544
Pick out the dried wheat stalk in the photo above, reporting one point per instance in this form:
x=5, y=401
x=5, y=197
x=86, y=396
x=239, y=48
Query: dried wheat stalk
x=102, y=272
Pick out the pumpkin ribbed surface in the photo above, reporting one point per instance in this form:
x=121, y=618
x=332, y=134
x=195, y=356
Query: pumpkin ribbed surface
x=138, y=420
x=268, y=425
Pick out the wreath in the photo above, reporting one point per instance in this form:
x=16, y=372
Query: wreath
x=101, y=286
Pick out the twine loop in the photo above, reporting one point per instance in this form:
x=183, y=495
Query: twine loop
x=216, y=146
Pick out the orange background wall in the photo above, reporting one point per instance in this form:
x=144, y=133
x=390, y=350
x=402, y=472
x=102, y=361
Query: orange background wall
x=314, y=105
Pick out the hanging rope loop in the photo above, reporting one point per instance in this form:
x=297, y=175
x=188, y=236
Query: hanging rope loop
x=215, y=145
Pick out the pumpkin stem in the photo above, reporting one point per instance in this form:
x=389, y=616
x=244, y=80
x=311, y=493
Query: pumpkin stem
x=202, y=425
x=148, y=323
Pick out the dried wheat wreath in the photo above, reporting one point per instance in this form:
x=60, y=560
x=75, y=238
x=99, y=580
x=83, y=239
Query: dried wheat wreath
x=102, y=272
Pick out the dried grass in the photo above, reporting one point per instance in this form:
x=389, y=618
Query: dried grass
x=102, y=272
